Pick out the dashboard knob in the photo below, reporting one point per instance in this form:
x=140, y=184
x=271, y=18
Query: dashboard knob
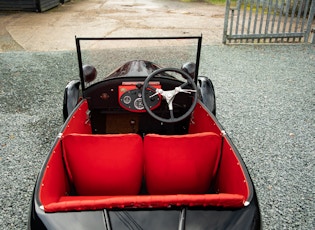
x=139, y=85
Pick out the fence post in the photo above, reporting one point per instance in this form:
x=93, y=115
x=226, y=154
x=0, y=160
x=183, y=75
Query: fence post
x=313, y=36
x=309, y=22
x=226, y=20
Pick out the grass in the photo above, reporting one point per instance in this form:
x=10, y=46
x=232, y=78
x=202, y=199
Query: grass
x=215, y=2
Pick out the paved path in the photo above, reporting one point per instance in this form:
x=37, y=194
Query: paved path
x=56, y=29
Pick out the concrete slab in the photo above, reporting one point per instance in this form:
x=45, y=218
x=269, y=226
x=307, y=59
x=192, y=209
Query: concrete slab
x=56, y=29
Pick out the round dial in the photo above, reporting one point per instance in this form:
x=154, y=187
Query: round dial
x=138, y=104
x=127, y=99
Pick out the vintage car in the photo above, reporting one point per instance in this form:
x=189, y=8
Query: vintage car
x=141, y=147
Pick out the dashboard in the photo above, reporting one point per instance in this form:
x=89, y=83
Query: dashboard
x=130, y=96
x=116, y=106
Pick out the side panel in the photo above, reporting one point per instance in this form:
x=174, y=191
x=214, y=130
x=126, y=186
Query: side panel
x=71, y=98
x=206, y=122
x=79, y=120
x=231, y=167
x=144, y=219
x=67, y=220
x=54, y=183
x=231, y=164
x=53, y=177
x=246, y=218
x=207, y=93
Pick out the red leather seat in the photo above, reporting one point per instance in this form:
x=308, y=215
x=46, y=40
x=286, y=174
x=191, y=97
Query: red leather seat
x=107, y=170
x=104, y=164
x=180, y=164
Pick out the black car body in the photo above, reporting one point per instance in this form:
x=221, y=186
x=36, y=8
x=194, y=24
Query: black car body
x=141, y=147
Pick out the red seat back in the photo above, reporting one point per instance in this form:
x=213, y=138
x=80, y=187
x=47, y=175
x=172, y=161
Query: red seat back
x=104, y=164
x=181, y=164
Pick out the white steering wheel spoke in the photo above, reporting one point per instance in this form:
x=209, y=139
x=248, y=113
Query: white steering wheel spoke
x=181, y=90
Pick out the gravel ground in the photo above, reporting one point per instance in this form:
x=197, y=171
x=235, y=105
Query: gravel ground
x=265, y=99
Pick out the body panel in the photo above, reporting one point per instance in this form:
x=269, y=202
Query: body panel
x=189, y=174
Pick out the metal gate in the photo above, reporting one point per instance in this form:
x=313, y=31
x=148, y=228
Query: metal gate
x=269, y=21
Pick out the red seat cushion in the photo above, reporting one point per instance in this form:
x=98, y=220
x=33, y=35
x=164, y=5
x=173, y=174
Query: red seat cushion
x=104, y=164
x=181, y=164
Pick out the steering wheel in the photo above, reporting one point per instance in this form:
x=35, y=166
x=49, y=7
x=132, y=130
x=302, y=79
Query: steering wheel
x=188, y=87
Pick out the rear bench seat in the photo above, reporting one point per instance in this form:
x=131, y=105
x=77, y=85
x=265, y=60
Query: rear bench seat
x=107, y=171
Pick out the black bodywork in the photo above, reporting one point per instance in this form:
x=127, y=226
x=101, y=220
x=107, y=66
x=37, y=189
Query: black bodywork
x=173, y=218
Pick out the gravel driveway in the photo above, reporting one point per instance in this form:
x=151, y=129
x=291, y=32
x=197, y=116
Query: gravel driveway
x=265, y=99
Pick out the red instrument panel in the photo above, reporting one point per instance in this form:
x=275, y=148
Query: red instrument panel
x=130, y=96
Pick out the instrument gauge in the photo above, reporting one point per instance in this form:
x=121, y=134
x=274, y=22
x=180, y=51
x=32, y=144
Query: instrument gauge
x=127, y=100
x=138, y=104
x=130, y=96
